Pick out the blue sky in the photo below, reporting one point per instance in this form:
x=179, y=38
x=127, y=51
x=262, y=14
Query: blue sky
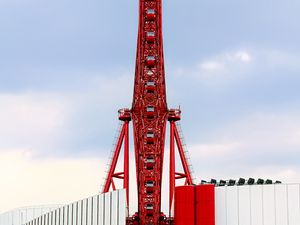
x=66, y=67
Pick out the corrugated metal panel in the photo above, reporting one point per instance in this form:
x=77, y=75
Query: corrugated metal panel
x=79, y=215
x=84, y=211
x=281, y=204
x=205, y=205
x=221, y=206
x=114, y=208
x=104, y=209
x=89, y=211
x=101, y=210
x=122, y=205
x=294, y=204
x=185, y=205
x=57, y=217
x=74, y=213
x=269, y=205
x=61, y=216
x=244, y=205
x=232, y=205
x=23, y=215
x=258, y=205
x=95, y=210
x=107, y=208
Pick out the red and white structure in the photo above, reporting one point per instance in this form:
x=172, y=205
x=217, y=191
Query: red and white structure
x=149, y=115
x=272, y=204
x=207, y=204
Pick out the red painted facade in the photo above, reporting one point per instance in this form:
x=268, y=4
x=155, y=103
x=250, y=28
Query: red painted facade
x=184, y=206
x=205, y=205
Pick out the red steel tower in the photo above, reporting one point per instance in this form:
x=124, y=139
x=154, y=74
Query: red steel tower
x=149, y=115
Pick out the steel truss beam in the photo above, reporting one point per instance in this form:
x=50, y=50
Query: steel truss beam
x=124, y=175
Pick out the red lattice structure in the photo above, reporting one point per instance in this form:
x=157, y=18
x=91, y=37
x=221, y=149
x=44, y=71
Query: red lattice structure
x=149, y=115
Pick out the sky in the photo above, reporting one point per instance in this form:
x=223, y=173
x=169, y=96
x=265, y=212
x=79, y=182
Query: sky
x=66, y=67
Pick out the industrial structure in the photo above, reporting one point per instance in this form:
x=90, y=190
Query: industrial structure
x=23, y=215
x=245, y=202
x=149, y=115
x=272, y=204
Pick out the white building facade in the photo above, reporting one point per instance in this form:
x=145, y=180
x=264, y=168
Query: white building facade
x=276, y=204
x=23, y=215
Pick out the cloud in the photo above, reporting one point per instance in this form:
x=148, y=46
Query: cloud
x=238, y=67
x=287, y=175
x=275, y=58
x=269, y=130
x=44, y=132
x=204, y=151
x=223, y=61
x=29, y=120
x=262, y=144
x=211, y=66
x=242, y=56
x=220, y=70
x=65, y=122
x=26, y=181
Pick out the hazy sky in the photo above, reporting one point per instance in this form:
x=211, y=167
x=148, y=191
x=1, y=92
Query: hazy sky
x=67, y=66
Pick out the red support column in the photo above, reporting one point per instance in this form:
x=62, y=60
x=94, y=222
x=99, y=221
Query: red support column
x=126, y=161
x=125, y=116
x=172, y=166
x=173, y=116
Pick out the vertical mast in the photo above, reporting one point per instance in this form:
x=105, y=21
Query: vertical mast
x=149, y=115
x=149, y=111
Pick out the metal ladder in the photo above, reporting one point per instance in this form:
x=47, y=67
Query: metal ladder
x=111, y=154
x=185, y=151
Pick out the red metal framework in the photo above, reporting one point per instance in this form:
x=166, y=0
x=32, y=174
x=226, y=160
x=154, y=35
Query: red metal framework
x=124, y=115
x=149, y=115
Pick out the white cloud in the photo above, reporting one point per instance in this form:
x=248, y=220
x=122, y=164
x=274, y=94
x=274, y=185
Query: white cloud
x=241, y=56
x=25, y=181
x=205, y=151
x=219, y=70
x=212, y=66
x=262, y=144
x=35, y=122
x=275, y=58
x=225, y=61
x=269, y=130
x=39, y=120
x=287, y=175
x=30, y=119
x=234, y=67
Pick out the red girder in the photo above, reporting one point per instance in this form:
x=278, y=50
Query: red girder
x=124, y=134
x=149, y=114
x=149, y=66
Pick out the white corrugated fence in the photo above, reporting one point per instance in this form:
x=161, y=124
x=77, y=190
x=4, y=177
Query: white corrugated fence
x=102, y=209
x=23, y=215
x=277, y=204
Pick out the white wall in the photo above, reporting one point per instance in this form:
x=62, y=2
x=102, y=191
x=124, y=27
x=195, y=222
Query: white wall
x=102, y=209
x=23, y=215
x=277, y=204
